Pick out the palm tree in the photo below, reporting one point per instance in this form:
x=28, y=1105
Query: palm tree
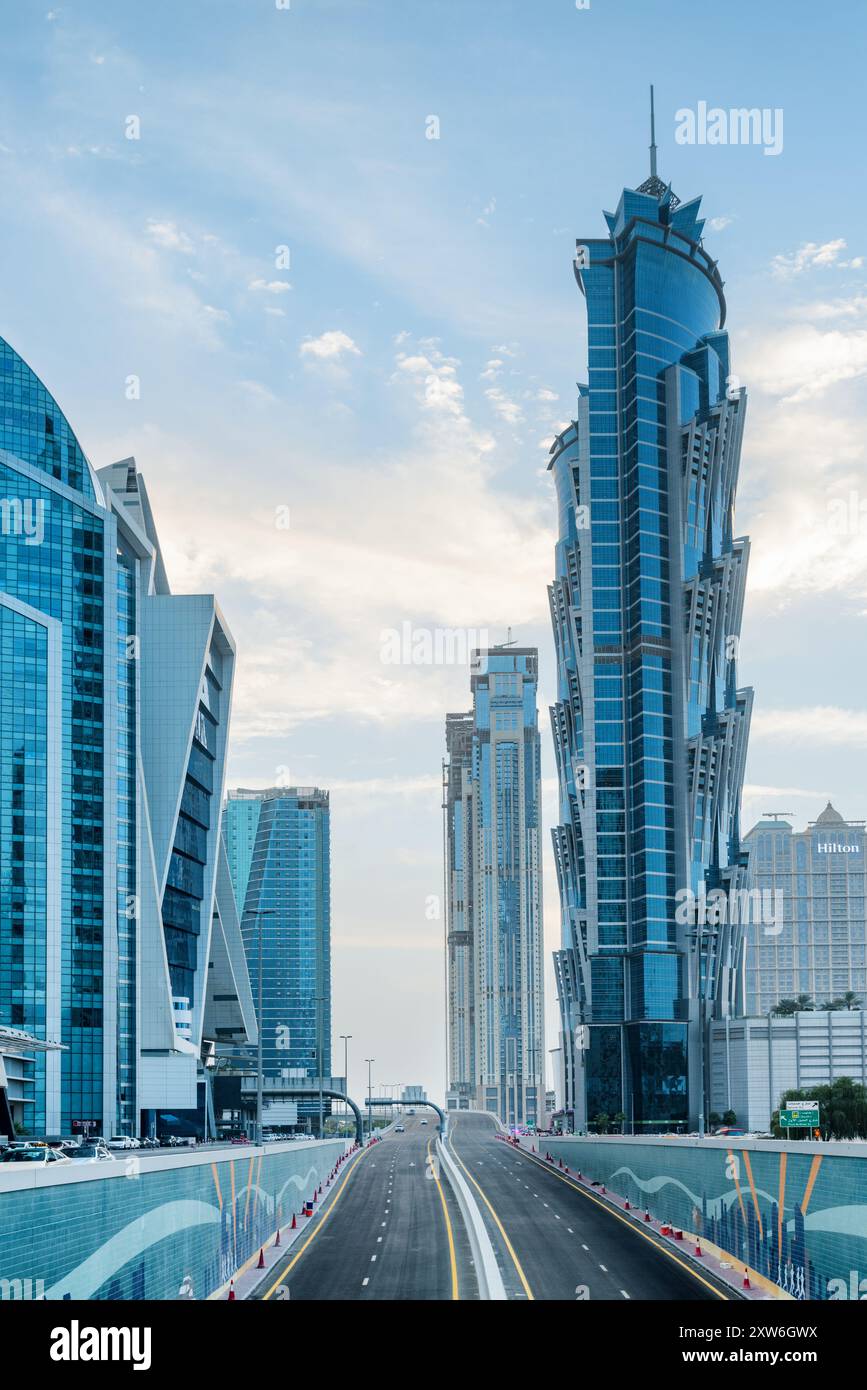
x=850, y=1000
x=602, y=1122
x=805, y=1003
x=619, y=1120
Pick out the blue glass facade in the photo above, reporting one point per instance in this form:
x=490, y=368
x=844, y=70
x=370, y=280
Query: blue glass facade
x=52, y=559
x=649, y=726
x=109, y=805
x=288, y=893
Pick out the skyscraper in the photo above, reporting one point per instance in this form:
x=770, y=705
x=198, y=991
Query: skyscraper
x=650, y=727
x=280, y=858
x=114, y=706
x=494, y=922
x=818, y=947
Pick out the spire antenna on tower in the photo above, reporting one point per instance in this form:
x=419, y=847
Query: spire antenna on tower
x=652, y=136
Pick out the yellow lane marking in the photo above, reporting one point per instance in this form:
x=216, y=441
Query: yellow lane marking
x=452, y=1261
x=313, y=1234
x=626, y=1222
x=516, y=1262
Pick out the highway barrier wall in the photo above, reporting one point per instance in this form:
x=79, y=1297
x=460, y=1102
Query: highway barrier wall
x=796, y=1212
x=159, y=1226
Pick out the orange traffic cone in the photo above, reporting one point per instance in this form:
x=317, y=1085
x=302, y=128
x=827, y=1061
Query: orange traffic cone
x=231, y=1298
x=294, y=1226
x=277, y=1241
x=261, y=1264
x=627, y=1207
x=647, y=1213
x=746, y=1284
x=698, y=1248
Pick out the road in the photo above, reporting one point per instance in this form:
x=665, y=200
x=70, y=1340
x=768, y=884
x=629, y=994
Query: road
x=391, y=1231
x=553, y=1240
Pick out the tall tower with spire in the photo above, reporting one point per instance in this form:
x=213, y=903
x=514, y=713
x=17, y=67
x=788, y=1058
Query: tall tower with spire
x=650, y=726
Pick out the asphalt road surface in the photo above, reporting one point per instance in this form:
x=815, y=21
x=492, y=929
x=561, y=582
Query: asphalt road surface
x=553, y=1241
x=392, y=1231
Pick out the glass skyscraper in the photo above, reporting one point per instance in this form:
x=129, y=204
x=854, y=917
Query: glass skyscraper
x=279, y=852
x=114, y=704
x=819, y=948
x=494, y=908
x=650, y=727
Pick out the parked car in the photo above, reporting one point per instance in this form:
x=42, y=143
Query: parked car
x=34, y=1155
x=122, y=1141
x=94, y=1151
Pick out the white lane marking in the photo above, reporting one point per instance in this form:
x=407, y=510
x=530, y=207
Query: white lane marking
x=556, y=1217
x=569, y=1229
x=382, y=1223
x=379, y=1240
x=625, y=1294
x=604, y=1270
x=364, y=1281
x=545, y=1204
x=373, y=1259
x=585, y=1247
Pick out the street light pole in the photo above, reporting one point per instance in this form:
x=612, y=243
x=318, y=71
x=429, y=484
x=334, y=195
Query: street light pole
x=259, y=1030
x=370, y=1061
x=344, y=1038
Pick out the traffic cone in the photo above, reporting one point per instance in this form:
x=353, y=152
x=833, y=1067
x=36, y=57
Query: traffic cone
x=261, y=1264
x=647, y=1214
x=627, y=1206
x=320, y=1189
x=698, y=1248
x=561, y=1163
x=294, y=1226
x=746, y=1284
x=277, y=1240
x=678, y=1235
x=231, y=1298
x=602, y=1189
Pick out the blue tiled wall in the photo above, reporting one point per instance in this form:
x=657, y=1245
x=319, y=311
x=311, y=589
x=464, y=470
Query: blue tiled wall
x=796, y=1213
x=132, y=1230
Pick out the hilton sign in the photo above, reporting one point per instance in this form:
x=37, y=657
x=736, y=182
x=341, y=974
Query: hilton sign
x=829, y=847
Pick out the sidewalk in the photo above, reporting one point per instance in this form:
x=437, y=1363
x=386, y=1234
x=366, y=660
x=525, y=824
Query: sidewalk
x=251, y=1274
x=724, y=1266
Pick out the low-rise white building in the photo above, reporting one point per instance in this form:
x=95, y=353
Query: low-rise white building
x=754, y=1061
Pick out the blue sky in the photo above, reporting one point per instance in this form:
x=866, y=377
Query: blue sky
x=396, y=385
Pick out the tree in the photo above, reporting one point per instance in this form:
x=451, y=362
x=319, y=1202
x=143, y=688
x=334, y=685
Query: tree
x=714, y=1119
x=602, y=1121
x=842, y=1109
x=619, y=1121
x=729, y=1118
x=850, y=1000
x=784, y=1008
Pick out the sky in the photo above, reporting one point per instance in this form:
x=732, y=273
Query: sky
x=339, y=350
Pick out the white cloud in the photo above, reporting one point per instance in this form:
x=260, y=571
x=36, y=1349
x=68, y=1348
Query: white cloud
x=801, y=362
x=546, y=394
x=270, y=286
x=169, y=236
x=719, y=224
x=817, y=724
x=329, y=346
x=814, y=255
x=506, y=408
x=492, y=369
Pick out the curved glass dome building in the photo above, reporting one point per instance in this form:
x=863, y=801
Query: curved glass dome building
x=650, y=727
x=114, y=707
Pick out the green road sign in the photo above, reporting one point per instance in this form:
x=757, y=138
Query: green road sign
x=803, y=1114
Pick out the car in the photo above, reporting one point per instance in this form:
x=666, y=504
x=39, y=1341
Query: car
x=94, y=1151
x=34, y=1155
x=400, y=1129
x=122, y=1141
x=424, y=1122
